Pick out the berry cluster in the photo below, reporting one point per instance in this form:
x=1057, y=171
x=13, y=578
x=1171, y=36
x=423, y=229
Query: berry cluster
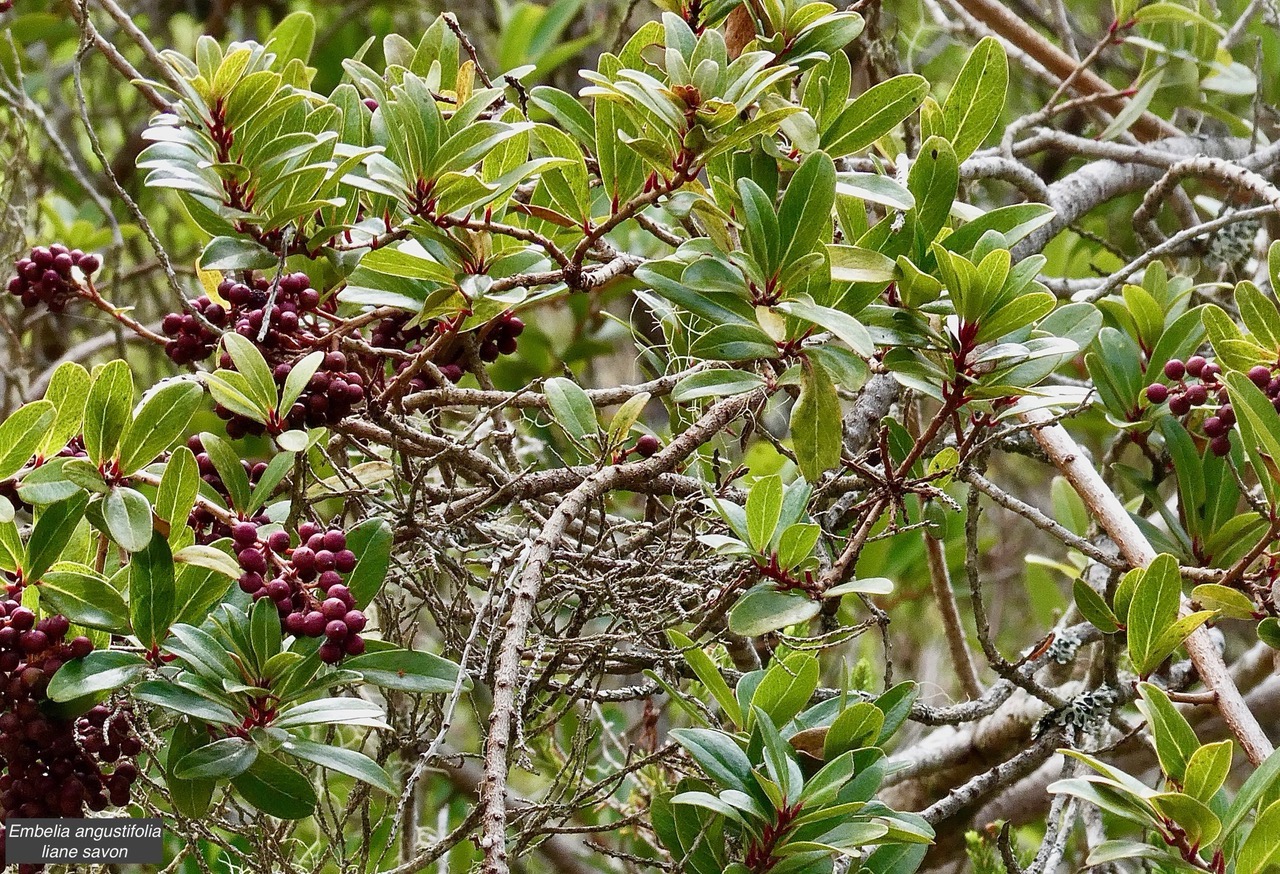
x=53, y=766
x=292, y=330
x=394, y=332
x=1186, y=394
x=45, y=276
x=190, y=340
x=291, y=313
x=207, y=526
x=306, y=584
x=334, y=392
x=498, y=337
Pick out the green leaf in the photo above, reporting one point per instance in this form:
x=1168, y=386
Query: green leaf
x=22, y=433
x=185, y=702
x=371, y=542
x=863, y=585
x=1260, y=428
x=796, y=544
x=235, y=253
x=1093, y=608
x=718, y=755
x=858, y=726
x=805, y=212
x=152, y=592
x=734, y=342
x=874, y=188
x=53, y=531
x=874, y=113
x=1174, y=13
x=344, y=761
x=253, y=367
x=762, y=610
x=764, y=505
x=190, y=797
x=1261, y=849
x=571, y=408
x=786, y=688
x=100, y=671
x=1197, y=820
x=232, y=390
x=1154, y=609
x=1258, y=785
x=626, y=417
x=179, y=486
x=711, y=802
x=708, y=674
x=299, y=375
x=68, y=390
x=198, y=590
x=933, y=180
x=264, y=631
x=85, y=597
x=277, y=469
x=276, y=789
x=127, y=514
x=854, y=264
x=219, y=760
x=209, y=558
x=292, y=38
x=760, y=232
x=202, y=653
x=974, y=104
x=1225, y=600
x=816, y=423
x=713, y=384
x=106, y=411
x=845, y=327
x=226, y=461
x=1175, y=741
x=1133, y=107
x=333, y=711
x=407, y=671
x=1207, y=770
x=160, y=421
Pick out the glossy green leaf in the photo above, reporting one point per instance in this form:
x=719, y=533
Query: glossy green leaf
x=974, y=104
x=106, y=412
x=21, y=433
x=816, y=422
x=99, y=671
x=407, y=671
x=152, y=592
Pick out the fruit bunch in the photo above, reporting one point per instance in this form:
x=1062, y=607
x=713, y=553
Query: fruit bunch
x=293, y=330
x=191, y=340
x=207, y=526
x=334, y=392
x=45, y=275
x=54, y=765
x=498, y=337
x=291, y=317
x=1195, y=381
x=305, y=582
